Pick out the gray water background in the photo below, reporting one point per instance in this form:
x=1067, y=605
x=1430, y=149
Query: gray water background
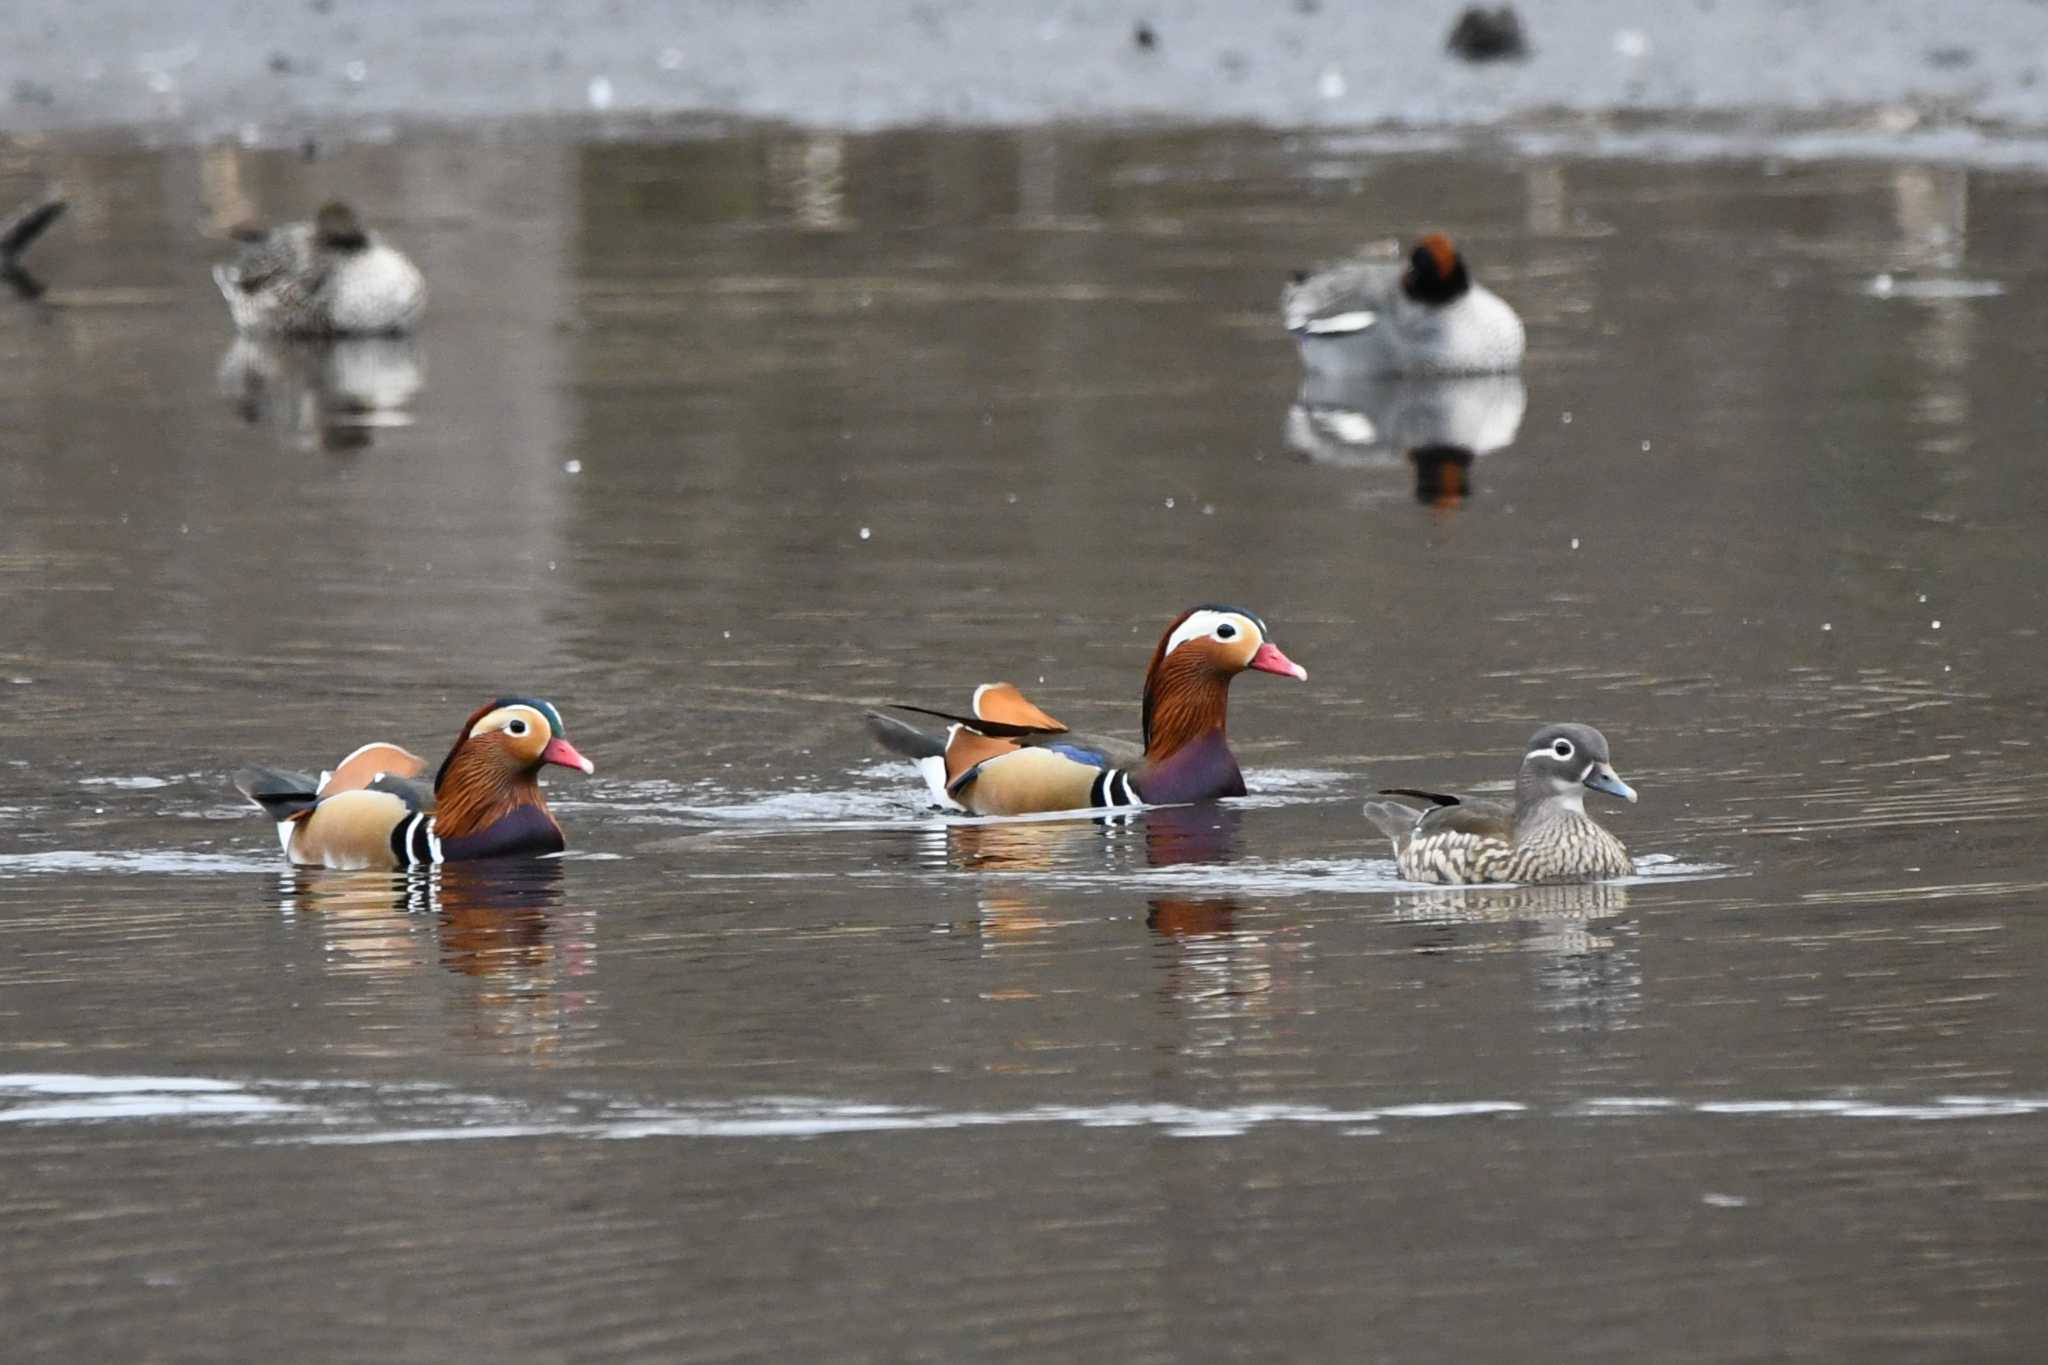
x=715, y=441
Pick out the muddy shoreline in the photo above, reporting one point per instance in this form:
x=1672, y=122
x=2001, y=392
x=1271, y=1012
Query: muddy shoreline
x=185, y=70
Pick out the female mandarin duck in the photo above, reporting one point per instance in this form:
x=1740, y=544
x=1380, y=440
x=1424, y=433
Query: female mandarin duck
x=328, y=277
x=1010, y=758
x=373, y=812
x=1379, y=317
x=1546, y=836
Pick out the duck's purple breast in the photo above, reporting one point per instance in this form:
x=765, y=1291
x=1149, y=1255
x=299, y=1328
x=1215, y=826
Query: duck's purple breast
x=1201, y=771
x=527, y=832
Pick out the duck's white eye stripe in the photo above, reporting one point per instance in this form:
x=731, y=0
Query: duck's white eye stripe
x=1203, y=624
x=505, y=717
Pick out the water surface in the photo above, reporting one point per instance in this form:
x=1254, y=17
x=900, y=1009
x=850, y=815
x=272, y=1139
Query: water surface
x=717, y=442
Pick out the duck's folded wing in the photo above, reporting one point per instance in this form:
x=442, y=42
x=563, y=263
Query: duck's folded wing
x=1463, y=815
x=1339, y=301
x=1103, y=751
x=353, y=829
x=367, y=764
x=1028, y=781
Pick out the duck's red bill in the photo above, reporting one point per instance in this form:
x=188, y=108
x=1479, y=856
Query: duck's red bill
x=1269, y=659
x=563, y=752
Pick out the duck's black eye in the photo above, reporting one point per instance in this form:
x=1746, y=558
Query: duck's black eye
x=517, y=727
x=1226, y=631
x=1563, y=748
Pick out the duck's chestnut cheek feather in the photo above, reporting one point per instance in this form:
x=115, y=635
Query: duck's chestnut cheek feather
x=561, y=751
x=1269, y=659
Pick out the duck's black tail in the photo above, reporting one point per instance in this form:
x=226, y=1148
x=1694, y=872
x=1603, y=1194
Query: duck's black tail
x=281, y=794
x=1393, y=819
x=907, y=740
x=20, y=231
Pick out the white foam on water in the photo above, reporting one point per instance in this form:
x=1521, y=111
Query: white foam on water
x=894, y=800
x=1892, y=287
x=1940, y=145
x=76, y=1083
x=357, y=1113
x=1327, y=876
x=76, y=1098
x=107, y=1107
x=132, y=862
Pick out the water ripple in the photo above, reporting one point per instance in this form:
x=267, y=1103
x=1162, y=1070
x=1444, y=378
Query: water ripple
x=353, y=1114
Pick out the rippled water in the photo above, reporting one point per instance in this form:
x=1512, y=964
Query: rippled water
x=718, y=442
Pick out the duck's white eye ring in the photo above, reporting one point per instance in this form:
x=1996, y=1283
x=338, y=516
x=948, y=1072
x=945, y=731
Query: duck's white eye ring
x=516, y=727
x=1226, y=631
x=1563, y=748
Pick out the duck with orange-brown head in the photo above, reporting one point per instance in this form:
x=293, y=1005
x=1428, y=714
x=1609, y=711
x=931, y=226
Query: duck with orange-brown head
x=373, y=811
x=1010, y=758
x=1424, y=316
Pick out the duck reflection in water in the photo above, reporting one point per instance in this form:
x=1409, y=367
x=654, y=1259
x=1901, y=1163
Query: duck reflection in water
x=332, y=395
x=1167, y=836
x=18, y=231
x=1438, y=427
x=1220, y=984
x=1187, y=836
x=500, y=924
x=1585, y=951
x=1012, y=911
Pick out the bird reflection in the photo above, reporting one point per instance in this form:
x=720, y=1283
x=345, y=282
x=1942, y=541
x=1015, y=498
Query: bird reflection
x=18, y=231
x=1033, y=845
x=323, y=394
x=1586, y=957
x=1216, y=979
x=1178, y=835
x=26, y=287
x=1435, y=426
x=1012, y=911
x=502, y=926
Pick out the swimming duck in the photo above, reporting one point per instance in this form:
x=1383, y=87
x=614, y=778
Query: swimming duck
x=328, y=277
x=372, y=811
x=1380, y=317
x=1546, y=836
x=1010, y=758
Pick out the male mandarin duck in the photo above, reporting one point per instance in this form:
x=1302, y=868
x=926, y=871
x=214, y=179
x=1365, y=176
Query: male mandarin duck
x=328, y=277
x=1010, y=758
x=372, y=811
x=1380, y=317
x=1546, y=836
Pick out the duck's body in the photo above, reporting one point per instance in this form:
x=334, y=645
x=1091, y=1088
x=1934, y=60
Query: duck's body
x=1422, y=317
x=1544, y=835
x=1010, y=758
x=373, y=811
x=328, y=277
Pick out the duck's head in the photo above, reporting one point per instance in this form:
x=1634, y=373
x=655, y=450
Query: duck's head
x=510, y=741
x=1199, y=654
x=337, y=228
x=1565, y=760
x=1436, y=272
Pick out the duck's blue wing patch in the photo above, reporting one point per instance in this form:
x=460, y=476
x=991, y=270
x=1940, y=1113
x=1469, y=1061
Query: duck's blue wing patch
x=1080, y=753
